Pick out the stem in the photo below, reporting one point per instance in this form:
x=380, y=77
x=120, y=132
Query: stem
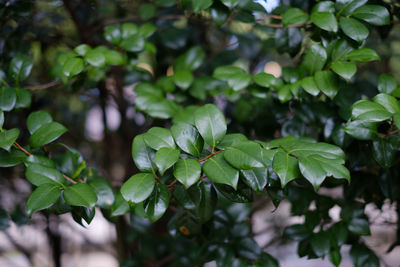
x=43, y=86
x=211, y=155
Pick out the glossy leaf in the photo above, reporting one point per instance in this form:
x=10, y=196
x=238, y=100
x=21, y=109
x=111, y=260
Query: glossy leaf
x=95, y=58
x=210, y=122
x=373, y=14
x=294, y=16
x=285, y=166
x=183, y=79
x=47, y=133
x=42, y=198
x=256, y=178
x=236, y=78
x=205, y=198
x=344, y=69
x=267, y=80
x=384, y=152
x=369, y=111
x=362, y=55
x=120, y=206
x=158, y=137
x=80, y=195
x=363, y=256
x=11, y=158
x=187, y=171
x=245, y=155
x=315, y=58
x=103, y=190
x=219, y=171
x=388, y=102
x=199, y=5
x=165, y=158
x=320, y=243
x=386, y=83
x=8, y=98
x=188, y=138
x=310, y=86
x=38, y=174
x=142, y=154
x=73, y=66
x=354, y=29
x=8, y=137
x=138, y=187
x=361, y=130
x=327, y=83
x=156, y=205
x=20, y=68
x=325, y=21
x=24, y=98
x=37, y=119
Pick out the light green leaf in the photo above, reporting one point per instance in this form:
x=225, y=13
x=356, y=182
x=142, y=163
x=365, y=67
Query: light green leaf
x=165, y=158
x=199, y=5
x=120, y=206
x=156, y=205
x=24, y=98
x=113, y=57
x=183, y=78
x=147, y=11
x=38, y=174
x=146, y=30
x=310, y=86
x=158, y=137
x=112, y=34
x=37, y=119
x=325, y=21
x=327, y=83
x=362, y=130
x=82, y=49
x=285, y=166
x=386, y=83
x=11, y=158
x=20, y=68
x=128, y=29
x=192, y=59
x=138, y=187
x=80, y=195
x=236, y=78
x=354, y=29
x=73, y=66
x=187, y=171
x=1, y=118
x=373, y=14
x=294, y=16
x=245, y=155
x=344, y=69
x=219, y=171
x=42, y=198
x=95, y=58
x=142, y=154
x=46, y=134
x=8, y=137
x=369, y=111
x=388, y=102
x=348, y=6
x=188, y=138
x=267, y=80
x=8, y=98
x=285, y=93
x=134, y=43
x=315, y=58
x=210, y=122
x=363, y=55
x=230, y=3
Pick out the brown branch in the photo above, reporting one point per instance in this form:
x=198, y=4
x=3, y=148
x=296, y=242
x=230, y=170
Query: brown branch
x=43, y=86
x=288, y=26
x=137, y=18
x=209, y=156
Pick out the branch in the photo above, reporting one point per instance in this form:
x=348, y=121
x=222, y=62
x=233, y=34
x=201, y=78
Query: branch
x=288, y=26
x=43, y=86
x=209, y=156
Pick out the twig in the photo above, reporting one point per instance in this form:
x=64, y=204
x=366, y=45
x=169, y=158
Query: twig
x=288, y=26
x=43, y=86
x=209, y=156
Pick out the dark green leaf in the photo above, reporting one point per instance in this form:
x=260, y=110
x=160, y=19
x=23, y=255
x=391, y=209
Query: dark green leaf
x=187, y=171
x=42, y=198
x=344, y=69
x=199, y=5
x=112, y=33
x=267, y=80
x=348, y=6
x=120, y=206
x=245, y=155
x=210, y=122
x=188, y=138
x=183, y=78
x=158, y=137
x=134, y=43
x=47, y=133
x=230, y=3
x=369, y=111
x=363, y=256
x=285, y=166
x=256, y=178
x=388, y=102
x=294, y=16
x=325, y=21
x=236, y=78
x=386, y=83
x=205, y=199
x=248, y=248
x=146, y=30
x=38, y=175
x=373, y=14
x=156, y=205
x=359, y=226
x=310, y=86
x=165, y=158
x=8, y=98
x=8, y=137
x=327, y=83
x=320, y=243
x=361, y=129
x=315, y=58
x=1, y=118
x=80, y=195
x=138, y=187
x=20, y=68
x=24, y=98
x=192, y=59
x=297, y=232
x=73, y=66
x=103, y=190
x=363, y=55
x=242, y=194
x=147, y=11
x=142, y=154
x=219, y=171
x=354, y=29
x=11, y=158
x=37, y=119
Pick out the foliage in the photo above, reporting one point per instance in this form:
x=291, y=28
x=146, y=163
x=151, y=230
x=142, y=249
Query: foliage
x=219, y=131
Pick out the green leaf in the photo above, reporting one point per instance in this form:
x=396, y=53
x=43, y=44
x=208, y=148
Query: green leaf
x=361, y=130
x=112, y=34
x=187, y=171
x=80, y=195
x=1, y=118
x=11, y=158
x=42, y=198
x=146, y=30
x=20, y=68
x=188, y=138
x=205, y=198
x=340, y=48
x=219, y=171
x=245, y=155
x=384, y=152
x=82, y=49
x=236, y=77
x=373, y=14
x=38, y=159
x=165, y=158
x=156, y=105
x=134, y=43
x=315, y=58
x=310, y=86
x=297, y=232
x=231, y=140
x=47, y=133
x=210, y=122
x=192, y=59
x=128, y=29
x=327, y=83
x=95, y=58
x=363, y=256
x=248, y=248
x=8, y=98
x=8, y=137
x=325, y=21
x=37, y=119
x=335, y=257
x=199, y=5
x=103, y=190
x=285, y=166
x=142, y=155
x=73, y=66
x=24, y=98
x=354, y=29
x=284, y=93
x=138, y=187
x=120, y=206
x=242, y=194
x=388, y=102
x=362, y=55
x=256, y=178
x=113, y=57
x=344, y=69
x=156, y=205
x=230, y=3
x=386, y=83
x=294, y=16
x=158, y=137
x=369, y=111
x=320, y=243
x=183, y=78
x=348, y=6
x=38, y=174
x=147, y=11
x=267, y=80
